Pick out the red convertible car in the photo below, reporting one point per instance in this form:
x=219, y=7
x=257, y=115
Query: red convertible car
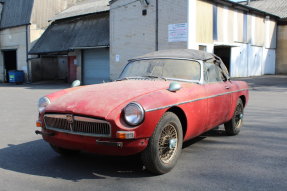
x=160, y=100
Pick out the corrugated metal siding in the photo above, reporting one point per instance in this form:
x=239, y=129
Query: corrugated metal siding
x=16, y=13
x=276, y=7
x=204, y=26
x=259, y=31
x=88, y=31
x=44, y=10
x=83, y=8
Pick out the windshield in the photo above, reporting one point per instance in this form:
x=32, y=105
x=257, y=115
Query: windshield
x=163, y=68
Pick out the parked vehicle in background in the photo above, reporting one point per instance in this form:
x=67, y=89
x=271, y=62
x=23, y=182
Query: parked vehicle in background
x=160, y=100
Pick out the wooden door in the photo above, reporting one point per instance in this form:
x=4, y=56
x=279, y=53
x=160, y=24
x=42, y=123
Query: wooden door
x=72, y=68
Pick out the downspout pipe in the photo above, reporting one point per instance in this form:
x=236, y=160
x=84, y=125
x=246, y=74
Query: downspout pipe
x=156, y=26
x=27, y=51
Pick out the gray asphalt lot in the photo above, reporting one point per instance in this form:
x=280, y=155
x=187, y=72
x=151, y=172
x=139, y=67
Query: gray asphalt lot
x=256, y=159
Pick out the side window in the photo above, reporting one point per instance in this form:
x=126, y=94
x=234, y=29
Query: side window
x=212, y=73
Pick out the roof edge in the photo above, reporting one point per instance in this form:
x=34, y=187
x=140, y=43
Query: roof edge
x=233, y=5
x=76, y=16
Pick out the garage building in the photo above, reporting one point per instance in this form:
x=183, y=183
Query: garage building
x=243, y=36
x=75, y=45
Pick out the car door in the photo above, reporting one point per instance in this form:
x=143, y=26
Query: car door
x=217, y=93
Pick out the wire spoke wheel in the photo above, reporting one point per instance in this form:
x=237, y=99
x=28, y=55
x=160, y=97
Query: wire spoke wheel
x=167, y=143
x=233, y=126
x=164, y=146
x=238, y=115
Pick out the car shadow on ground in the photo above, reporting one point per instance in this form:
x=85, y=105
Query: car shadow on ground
x=37, y=158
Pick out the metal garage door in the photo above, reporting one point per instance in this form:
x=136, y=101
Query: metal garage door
x=96, y=65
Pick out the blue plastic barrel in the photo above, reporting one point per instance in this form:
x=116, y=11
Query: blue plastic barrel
x=16, y=76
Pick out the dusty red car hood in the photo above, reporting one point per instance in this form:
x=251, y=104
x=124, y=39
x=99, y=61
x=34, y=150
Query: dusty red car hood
x=99, y=100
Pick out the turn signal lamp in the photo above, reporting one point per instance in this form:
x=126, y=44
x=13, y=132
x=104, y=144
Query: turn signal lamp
x=38, y=124
x=125, y=134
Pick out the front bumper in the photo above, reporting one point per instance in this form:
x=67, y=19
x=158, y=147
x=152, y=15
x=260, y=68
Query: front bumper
x=104, y=146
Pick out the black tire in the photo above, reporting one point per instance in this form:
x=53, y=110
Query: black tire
x=64, y=152
x=166, y=132
x=233, y=126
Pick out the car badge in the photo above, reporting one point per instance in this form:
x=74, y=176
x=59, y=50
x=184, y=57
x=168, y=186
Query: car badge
x=70, y=118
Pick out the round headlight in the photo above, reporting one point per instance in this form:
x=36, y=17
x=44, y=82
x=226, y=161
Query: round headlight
x=43, y=103
x=133, y=114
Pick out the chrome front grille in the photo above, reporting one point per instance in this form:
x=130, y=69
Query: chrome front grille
x=68, y=123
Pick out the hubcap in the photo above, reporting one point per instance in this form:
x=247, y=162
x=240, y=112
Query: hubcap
x=168, y=143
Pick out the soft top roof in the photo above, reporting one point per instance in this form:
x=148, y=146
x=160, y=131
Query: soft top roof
x=178, y=53
x=189, y=54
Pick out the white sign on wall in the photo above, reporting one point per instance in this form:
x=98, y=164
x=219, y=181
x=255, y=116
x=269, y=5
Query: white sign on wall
x=177, y=32
x=118, y=58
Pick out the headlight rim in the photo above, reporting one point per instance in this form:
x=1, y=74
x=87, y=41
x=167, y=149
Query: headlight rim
x=42, y=105
x=141, y=109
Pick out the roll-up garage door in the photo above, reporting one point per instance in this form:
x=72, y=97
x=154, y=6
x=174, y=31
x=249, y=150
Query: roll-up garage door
x=95, y=66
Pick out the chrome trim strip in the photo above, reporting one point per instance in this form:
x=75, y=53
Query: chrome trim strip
x=76, y=133
x=77, y=118
x=194, y=100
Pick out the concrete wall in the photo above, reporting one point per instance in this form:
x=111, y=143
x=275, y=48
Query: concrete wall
x=281, y=53
x=13, y=39
x=133, y=34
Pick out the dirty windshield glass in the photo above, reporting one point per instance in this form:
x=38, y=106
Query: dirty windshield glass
x=166, y=68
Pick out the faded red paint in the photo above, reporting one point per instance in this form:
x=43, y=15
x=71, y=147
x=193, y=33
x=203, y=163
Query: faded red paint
x=205, y=107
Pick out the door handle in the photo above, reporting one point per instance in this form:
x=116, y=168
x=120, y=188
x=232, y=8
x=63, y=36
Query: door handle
x=227, y=87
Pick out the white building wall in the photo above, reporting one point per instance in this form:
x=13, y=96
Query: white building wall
x=255, y=59
x=269, y=61
x=132, y=34
x=13, y=39
x=239, y=61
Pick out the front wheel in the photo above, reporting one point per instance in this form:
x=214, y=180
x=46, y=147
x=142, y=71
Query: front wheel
x=233, y=126
x=164, y=146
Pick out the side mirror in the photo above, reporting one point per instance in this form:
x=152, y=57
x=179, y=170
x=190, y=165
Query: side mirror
x=174, y=86
x=76, y=83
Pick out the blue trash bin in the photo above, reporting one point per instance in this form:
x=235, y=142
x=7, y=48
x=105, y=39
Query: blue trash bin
x=16, y=76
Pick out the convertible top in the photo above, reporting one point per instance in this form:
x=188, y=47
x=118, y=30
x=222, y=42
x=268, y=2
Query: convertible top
x=178, y=53
x=189, y=54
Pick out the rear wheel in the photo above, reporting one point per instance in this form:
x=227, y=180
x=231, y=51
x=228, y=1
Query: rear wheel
x=64, y=152
x=164, y=146
x=233, y=126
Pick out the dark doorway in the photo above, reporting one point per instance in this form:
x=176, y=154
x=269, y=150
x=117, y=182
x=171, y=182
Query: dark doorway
x=10, y=62
x=224, y=52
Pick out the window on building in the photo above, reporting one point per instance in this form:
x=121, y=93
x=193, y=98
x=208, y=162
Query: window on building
x=202, y=47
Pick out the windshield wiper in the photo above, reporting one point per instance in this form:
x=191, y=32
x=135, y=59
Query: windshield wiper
x=151, y=76
x=128, y=78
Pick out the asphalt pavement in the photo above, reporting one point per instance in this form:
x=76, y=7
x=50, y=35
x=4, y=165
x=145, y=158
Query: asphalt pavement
x=254, y=160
